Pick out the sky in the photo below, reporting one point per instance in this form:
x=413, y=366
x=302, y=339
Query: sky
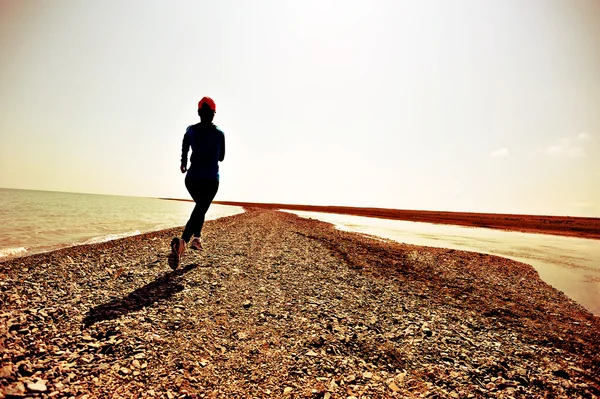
x=463, y=105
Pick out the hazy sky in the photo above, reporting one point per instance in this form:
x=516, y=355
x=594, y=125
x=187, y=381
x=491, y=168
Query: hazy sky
x=444, y=105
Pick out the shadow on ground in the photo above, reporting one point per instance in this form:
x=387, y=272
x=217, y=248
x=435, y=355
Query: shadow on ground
x=163, y=287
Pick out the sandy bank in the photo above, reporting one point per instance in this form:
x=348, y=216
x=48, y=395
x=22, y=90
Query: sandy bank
x=582, y=227
x=278, y=305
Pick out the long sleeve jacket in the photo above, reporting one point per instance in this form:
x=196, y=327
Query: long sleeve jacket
x=208, y=149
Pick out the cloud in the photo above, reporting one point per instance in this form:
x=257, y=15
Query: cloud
x=566, y=148
x=583, y=136
x=500, y=153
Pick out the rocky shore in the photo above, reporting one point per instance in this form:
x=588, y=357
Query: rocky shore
x=283, y=307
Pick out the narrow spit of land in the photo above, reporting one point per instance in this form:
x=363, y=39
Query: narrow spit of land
x=280, y=306
x=582, y=227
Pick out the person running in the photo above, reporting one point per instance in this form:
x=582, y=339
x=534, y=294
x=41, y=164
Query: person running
x=202, y=178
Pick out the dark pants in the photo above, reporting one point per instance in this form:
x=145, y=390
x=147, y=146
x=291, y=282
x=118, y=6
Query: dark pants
x=202, y=191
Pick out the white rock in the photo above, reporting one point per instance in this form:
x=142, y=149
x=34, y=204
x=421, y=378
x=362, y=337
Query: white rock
x=39, y=386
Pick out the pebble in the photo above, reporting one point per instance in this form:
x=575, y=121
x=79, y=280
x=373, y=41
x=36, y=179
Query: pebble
x=341, y=315
x=37, y=386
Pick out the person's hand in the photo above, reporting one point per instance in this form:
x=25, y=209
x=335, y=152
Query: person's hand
x=183, y=168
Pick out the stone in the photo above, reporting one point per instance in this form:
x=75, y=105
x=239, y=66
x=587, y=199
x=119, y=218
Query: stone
x=332, y=385
x=17, y=389
x=287, y=390
x=39, y=386
x=401, y=376
x=393, y=387
x=6, y=371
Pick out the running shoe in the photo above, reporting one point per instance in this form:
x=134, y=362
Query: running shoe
x=177, y=251
x=196, y=244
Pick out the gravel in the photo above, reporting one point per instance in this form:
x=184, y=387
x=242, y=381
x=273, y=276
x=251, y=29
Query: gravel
x=280, y=306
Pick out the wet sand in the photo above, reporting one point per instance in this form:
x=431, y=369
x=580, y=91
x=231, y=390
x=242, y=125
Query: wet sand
x=582, y=227
x=280, y=306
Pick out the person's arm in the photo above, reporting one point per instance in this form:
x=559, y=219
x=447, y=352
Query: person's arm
x=185, y=147
x=222, y=154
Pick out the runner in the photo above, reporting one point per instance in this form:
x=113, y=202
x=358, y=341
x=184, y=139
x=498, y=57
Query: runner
x=202, y=178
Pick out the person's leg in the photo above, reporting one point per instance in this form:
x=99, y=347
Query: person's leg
x=202, y=191
x=193, y=188
x=208, y=192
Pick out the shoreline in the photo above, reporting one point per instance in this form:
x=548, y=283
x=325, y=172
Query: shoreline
x=279, y=305
x=78, y=232
x=580, y=227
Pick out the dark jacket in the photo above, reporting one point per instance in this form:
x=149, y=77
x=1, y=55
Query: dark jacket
x=208, y=149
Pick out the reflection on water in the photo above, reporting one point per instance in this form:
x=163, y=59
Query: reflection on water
x=569, y=264
x=41, y=221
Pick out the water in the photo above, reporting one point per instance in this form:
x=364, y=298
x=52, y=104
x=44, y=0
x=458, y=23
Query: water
x=39, y=221
x=569, y=264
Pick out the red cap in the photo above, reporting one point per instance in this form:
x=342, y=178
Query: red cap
x=209, y=101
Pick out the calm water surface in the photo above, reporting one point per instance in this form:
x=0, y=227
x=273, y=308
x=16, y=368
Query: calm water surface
x=40, y=221
x=569, y=264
